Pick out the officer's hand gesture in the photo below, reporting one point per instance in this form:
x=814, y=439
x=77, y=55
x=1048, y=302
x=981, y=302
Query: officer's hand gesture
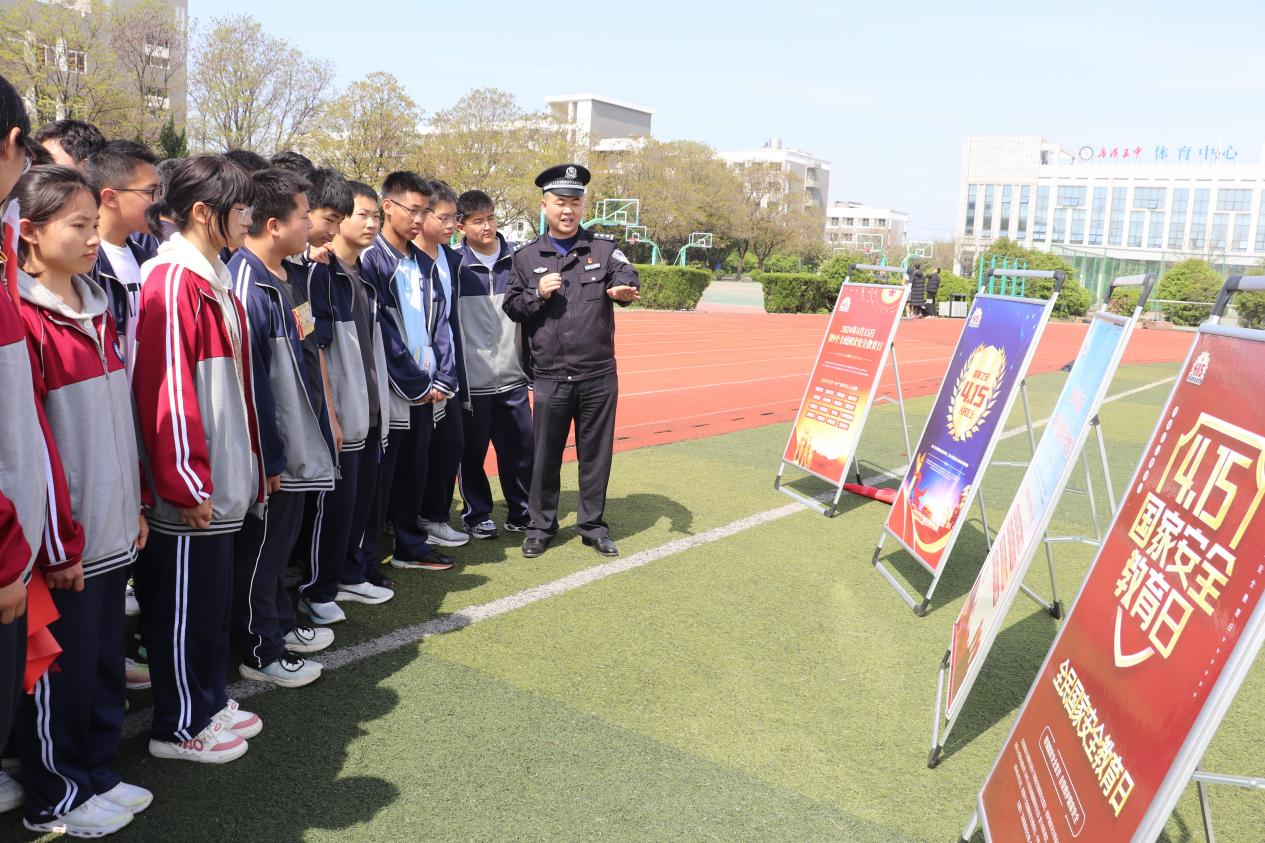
x=624, y=292
x=549, y=285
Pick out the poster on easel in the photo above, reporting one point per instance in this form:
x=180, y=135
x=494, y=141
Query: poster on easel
x=844, y=381
x=990, y=362
x=984, y=611
x=1166, y=624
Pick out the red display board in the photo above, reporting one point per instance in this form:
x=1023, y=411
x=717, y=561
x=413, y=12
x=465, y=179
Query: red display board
x=844, y=379
x=1166, y=623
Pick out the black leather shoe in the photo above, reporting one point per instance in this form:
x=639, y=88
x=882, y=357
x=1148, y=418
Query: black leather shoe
x=604, y=545
x=534, y=547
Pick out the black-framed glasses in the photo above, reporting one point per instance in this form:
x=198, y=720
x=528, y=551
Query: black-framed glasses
x=151, y=192
x=415, y=213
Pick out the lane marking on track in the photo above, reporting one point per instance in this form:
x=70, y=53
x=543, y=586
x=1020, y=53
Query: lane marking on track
x=139, y=721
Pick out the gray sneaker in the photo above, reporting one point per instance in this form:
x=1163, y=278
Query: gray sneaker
x=485, y=529
x=444, y=534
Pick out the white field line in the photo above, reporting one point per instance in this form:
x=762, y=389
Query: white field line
x=138, y=722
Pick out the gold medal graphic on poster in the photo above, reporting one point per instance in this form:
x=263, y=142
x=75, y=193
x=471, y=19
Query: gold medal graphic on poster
x=976, y=391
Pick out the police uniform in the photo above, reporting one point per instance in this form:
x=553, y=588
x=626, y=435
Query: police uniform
x=571, y=340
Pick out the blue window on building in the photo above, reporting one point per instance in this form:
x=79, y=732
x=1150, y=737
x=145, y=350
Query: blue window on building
x=1220, y=231
x=1097, y=217
x=1199, y=218
x=1148, y=198
x=1242, y=222
x=1136, y=221
x=1070, y=196
x=1003, y=226
x=1024, y=196
x=1155, y=232
x=986, y=225
x=1078, y=226
x=1234, y=199
x=1115, y=233
x=970, y=209
x=1059, y=234
x=1041, y=213
x=1177, y=223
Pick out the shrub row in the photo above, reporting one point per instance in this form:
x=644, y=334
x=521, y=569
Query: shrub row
x=672, y=287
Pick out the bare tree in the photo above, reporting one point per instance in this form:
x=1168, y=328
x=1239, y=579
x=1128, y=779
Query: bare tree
x=369, y=130
x=251, y=90
x=149, y=43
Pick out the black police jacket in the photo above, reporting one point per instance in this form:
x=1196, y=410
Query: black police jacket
x=571, y=334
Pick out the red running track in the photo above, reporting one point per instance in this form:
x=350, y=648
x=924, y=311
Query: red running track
x=688, y=375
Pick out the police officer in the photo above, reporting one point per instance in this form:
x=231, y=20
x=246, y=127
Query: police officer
x=563, y=289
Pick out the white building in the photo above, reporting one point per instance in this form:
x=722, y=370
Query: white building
x=855, y=224
x=812, y=171
x=607, y=124
x=1112, y=209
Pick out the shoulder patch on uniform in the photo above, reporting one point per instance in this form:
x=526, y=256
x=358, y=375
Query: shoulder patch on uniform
x=619, y=256
x=602, y=236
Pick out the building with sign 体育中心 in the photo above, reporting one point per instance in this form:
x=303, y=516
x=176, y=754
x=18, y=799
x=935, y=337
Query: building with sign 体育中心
x=1116, y=209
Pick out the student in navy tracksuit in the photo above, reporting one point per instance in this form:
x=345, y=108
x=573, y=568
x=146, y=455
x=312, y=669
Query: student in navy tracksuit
x=349, y=334
x=298, y=445
x=420, y=365
x=492, y=363
x=195, y=408
x=69, y=731
x=126, y=181
x=443, y=264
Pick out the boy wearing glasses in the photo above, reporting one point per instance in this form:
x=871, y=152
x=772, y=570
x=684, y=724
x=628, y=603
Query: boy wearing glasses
x=500, y=413
x=123, y=174
x=421, y=367
x=443, y=264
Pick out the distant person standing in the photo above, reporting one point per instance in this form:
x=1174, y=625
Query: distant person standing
x=933, y=287
x=917, y=290
x=562, y=289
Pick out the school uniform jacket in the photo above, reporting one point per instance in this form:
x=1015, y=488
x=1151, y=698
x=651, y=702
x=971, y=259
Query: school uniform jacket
x=332, y=293
x=81, y=380
x=124, y=299
x=491, y=343
x=449, y=323
x=294, y=428
x=35, y=514
x=410, y=381
x=194, y=393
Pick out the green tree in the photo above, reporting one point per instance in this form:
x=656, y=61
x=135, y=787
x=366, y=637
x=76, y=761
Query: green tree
x=59, y=60
x=172, y=144
x=368, y=130
x=1250, y=307
x=251, y=90
x=487, y=141
x=1183, y=285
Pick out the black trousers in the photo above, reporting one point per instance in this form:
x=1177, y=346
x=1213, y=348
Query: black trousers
x=443, y=464
x=185, y=583
x=504, y=421
x=12, y=671
x=262, y=612
x=338, y=526
x=401, y=480
x=590, y=405
x=68, y=729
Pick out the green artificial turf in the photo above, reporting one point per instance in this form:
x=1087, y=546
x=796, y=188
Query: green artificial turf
x=768, y=685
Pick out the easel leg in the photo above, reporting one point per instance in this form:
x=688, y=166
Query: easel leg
x=970, y=828
x=983, y=517
x=936, y=745
x=834, y=506
x=900, y=402
x=1027, y=416
x=1106, y=466
x=1093, y=500
x=1206, y=810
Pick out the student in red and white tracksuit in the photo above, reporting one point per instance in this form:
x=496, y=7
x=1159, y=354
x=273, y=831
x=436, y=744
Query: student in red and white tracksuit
x=69, y=727
x=195, y=412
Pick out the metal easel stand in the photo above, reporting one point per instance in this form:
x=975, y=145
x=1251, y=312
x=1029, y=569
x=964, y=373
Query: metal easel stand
x=970, y=827
x=831, y=508
x=1202, y=779
x=920, y=608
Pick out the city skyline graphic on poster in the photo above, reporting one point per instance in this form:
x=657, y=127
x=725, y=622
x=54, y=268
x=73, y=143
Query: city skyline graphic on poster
x=948, y=460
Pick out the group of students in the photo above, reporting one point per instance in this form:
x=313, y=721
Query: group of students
x=239, y=365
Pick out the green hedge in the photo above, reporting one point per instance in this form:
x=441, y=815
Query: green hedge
x=672, y=287
x=797, y=292
x=1251, y=309
x=955, y=285
x=1074, y=301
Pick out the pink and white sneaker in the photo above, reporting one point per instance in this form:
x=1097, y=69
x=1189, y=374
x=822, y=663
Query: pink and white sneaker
x=213, y=745
x=238, y=721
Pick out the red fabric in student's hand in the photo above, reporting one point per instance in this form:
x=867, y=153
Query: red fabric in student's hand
x=9, y=247
x=42, y=648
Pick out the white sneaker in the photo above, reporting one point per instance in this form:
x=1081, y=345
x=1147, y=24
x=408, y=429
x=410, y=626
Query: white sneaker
x=11, y=794
x=95, y=818
x=322, y=613
x=363, y=592
x=289, y=671
x=131, y=607
x=213, y=745
x=444, y=534
x=136, y=675
x=238, y=721
x=307, y=639
x=129, y=797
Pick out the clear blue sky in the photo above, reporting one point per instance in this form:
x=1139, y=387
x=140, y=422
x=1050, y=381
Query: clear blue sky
x=884, y=91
